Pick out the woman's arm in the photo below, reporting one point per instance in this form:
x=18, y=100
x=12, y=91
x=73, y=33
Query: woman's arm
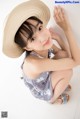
x=63, y=22
x=74, y=49
x=34, y=66
x=61, y=43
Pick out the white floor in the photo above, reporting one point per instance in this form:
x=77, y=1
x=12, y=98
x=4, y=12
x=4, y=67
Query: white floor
x=15, y=98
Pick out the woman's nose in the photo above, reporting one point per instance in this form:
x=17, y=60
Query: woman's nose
x=42, y=37
x=42, y=40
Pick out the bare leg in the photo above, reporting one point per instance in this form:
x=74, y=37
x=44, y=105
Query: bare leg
x=60, y=79
x=61, y=54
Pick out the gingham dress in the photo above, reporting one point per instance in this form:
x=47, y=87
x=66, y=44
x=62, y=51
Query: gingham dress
x=41, y=86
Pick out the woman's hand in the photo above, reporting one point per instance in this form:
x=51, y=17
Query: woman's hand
x=60, y=18
x=54, y=35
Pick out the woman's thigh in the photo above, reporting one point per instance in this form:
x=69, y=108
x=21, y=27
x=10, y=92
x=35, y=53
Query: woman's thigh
x=57, y=76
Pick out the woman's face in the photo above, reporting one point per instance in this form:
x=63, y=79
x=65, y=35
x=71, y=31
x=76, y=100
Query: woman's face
x=41, y=38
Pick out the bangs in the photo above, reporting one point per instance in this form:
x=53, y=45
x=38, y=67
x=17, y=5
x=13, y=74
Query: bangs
x=26, y=32
x=27, y=29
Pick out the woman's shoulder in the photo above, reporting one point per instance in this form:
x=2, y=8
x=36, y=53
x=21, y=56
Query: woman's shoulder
x=30, y=67
x=31, y=60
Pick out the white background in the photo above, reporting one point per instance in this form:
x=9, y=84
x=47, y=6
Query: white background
x=15, y=98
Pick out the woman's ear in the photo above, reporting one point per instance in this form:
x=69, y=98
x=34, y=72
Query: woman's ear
x=28, y=49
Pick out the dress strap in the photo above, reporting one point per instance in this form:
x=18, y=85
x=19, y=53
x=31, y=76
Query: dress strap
x=50, y=53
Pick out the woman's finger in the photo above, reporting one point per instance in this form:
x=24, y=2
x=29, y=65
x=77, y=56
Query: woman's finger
x=60, y=13
x=56, y=15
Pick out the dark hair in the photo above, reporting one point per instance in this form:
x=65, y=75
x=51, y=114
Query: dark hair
x=25, y=33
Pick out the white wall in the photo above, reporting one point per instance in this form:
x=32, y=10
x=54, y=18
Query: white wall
x=14, y=96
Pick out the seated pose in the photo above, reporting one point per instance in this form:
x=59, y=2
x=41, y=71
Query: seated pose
x=46, y=68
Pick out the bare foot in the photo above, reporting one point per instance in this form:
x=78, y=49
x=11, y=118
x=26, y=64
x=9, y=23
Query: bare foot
x=62, y=99
x=68, y=88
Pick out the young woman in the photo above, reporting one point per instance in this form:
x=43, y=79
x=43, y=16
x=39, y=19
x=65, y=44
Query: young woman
x=46, y=75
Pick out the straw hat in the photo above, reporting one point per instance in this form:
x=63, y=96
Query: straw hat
x=17, y=16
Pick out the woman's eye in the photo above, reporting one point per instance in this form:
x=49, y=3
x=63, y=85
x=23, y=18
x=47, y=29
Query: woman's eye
x=32, y=39
x=40, y=28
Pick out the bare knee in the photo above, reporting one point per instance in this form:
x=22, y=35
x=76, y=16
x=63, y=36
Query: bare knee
x=61, y=54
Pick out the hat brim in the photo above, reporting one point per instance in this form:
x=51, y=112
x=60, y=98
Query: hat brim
x=18, y=15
